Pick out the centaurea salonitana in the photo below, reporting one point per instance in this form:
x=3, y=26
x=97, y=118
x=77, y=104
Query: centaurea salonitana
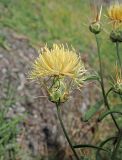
x=59, y=69
x=55, y=66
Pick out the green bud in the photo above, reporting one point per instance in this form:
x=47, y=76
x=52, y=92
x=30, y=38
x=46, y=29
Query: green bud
x=58, y=92
x=116, y=36
x=95, y=28
x=118, y=88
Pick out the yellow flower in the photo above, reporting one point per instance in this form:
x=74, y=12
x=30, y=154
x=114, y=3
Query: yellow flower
x=59, y=69
x=115, y=14
x=57, y=61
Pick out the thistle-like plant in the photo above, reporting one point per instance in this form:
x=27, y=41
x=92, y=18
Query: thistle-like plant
x=60, y=70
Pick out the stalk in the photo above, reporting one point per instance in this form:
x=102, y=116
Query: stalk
x=113, y=157
x=102, y=83
x=118, y=55
x=102, y=144
x=65, y=133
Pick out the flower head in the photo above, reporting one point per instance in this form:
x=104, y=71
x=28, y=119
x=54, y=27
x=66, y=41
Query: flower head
x=57, y=61
x=59, y=69
x=115, y=14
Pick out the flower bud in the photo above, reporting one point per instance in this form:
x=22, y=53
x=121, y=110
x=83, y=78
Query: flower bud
x=95, y=28
x=118, y=88
x=117, y=85
x=116, y=36
x=58, y=92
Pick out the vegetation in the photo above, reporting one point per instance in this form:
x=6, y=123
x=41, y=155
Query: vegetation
x=61, y=21
x=45, y=21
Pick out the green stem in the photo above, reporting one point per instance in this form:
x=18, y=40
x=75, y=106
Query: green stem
x=90, y=146
x=102, y=82
x=109, y=92
x=119, y=59
x=107, y=113
x=102, y=144
x=64, y=130
x=118, y=55
x=107, y=140
x=113, y=157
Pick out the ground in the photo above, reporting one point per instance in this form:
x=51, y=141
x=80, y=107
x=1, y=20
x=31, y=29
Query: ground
x=40, y=129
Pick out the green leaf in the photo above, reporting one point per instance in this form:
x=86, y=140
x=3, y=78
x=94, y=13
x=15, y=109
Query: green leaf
x=92, y=111
x=92, y=77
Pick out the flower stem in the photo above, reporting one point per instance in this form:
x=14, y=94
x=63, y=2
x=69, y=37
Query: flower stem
x=102, y=144
x=118, y=55
x=102, y=82
x=113, y=157
x=65, y=133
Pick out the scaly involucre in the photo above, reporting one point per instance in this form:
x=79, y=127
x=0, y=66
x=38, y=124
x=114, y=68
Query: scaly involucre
x=115, y=14
x=58, y=61
x=118, y=76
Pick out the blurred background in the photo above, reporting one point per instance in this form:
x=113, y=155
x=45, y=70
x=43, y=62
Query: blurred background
x=29, y=129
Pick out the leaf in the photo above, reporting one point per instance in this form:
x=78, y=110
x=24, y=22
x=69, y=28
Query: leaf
x=92, y=111
x=92, y=77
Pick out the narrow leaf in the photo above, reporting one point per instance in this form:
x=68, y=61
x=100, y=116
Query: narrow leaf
x=92, y=111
